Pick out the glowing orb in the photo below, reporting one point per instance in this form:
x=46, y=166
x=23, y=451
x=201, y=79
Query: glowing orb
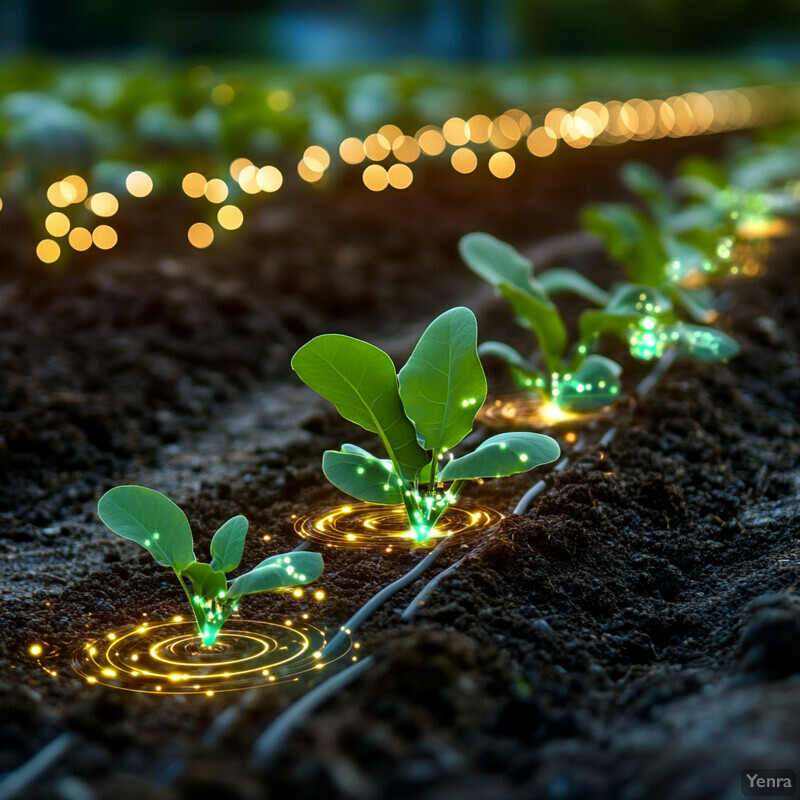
x=368, y=526
x=169, y=657
x=524, y=411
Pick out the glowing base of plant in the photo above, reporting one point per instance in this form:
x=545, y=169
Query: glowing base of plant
x=169, y=657
x=522, y=411
x=368, y=526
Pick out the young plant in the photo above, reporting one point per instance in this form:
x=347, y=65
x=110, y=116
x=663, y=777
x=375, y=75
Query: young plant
x=155, y=522
x=419, y=415
x=578, y=384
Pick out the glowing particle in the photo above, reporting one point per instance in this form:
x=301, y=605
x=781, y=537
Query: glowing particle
x=269, y=179
x=248, y=180
x=74, y=189
x=288, y=623
x=319, y=595
x=55, y=195
x=109, y=673
x=400, y=176
x=48, y=251
x=297, y=593
x=209, y=693
x=223, y=94
x=230, y=217
x=216, y=191
x=200, y=235
x=194, y=184
x=316, y=158
x=57, y=223
x=35, y=650
x=351, y=150
x=542, y=142
x=375, y=178
x=104, y=204
x=377, y=147
x=405, y=149
x=139, y=184
x=307, y=174
x=456, y=131
x=279, y=99
x=502, y=165
x=431, y=141
x=91, y=680
x=237, y=165
x=463, y=160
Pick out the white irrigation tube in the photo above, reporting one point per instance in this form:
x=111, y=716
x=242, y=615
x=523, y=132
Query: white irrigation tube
x=21, y=778
x=269, y=743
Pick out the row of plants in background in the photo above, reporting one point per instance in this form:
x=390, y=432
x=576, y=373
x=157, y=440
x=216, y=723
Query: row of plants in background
x=711, y=224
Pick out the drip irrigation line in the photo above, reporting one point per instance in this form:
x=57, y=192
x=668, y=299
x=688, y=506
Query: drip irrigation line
x=428, y=589
x=302, y=546
x=267, y=746
x=32, y=770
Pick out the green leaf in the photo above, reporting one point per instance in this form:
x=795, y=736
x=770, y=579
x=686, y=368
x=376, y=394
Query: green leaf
x=646, y=182
x=541, y=317
x=442, y=385
x=629, y=238
x=703, y=169
x=595, y=384
x=360, y=380
x=693, y=302
x=562, y=281
x=496, y=261
x=701, y=343
x=227, y=545
x=278, y=572
x=638, y=300
x=151, y=519
x=207, y=582
x=503, y=454
x=362, y=475
x=523, y=373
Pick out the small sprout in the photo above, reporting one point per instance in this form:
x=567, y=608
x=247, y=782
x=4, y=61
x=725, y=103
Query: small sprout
x=135, y=512
x=418, y=413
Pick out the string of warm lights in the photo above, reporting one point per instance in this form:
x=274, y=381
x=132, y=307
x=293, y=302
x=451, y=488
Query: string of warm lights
x=386, y=156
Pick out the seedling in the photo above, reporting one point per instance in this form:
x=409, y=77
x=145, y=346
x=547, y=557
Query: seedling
x=155, y=522
x=419, y=415
x=578, y=384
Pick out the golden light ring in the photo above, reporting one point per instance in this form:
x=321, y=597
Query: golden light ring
x=168, y=658
x=368, y=526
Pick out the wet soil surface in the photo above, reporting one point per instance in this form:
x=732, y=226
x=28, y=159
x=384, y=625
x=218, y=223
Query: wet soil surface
x=634, y=634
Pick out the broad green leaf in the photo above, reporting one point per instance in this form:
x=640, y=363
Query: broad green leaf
x=595, y=384
x=278, y=572
x=360, y=380
x=629, y=238
x=525, y=376
x=442, y=385
x=207, y=582
x=362, y=475
x=692, y=302
x=563, y=281
x=541, y=317
x=227, y=545
x=496, y=261
x=638, y=300
x=152, y=520
x=702, y=344
x=503, y=454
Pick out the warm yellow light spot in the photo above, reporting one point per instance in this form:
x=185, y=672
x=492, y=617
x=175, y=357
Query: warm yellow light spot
x=502, y=165
x=288, y=623
x=104, y=204
x=351, y=150
x=194, y=184
x=505, y=132
x=109, y=673
x=571, y=437
x=112, y=636
x=406, y=149
x=319, y=595
x=553, y=119
x=57, y=224
x=209, y=693
x=222, y=94
x=177, y=619
x=377, y=147
x=375, y=178
x=200, y=235
x=48, y=251
x=479, y=126
x=104, y=237
x=279, y=99
x=269, y=179
x=1, y=203
x=237, y=165
x=248, y=180
x=464, y=160
x=35, y=650
x=431, y=141
x=307, y=174
x=55, y=195
x=316, y=158
x=91, y=680
x=400, y=176
x=297, y=593
x=230, y=217
x=456, y=131
x=523, y=120
x=542, y=142
x=74, y=189
x=139, y=184
x=80, y=239
x=216, y=191
x=390, y=133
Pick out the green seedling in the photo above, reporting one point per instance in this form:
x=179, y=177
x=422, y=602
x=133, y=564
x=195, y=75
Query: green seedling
x=419, y=415
x=155, y=522
x=646, y=320
x=580, y=383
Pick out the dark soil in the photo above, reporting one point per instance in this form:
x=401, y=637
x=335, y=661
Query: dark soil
x=635, y=634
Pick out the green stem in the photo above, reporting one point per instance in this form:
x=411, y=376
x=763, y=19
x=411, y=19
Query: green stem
x=200, y=621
